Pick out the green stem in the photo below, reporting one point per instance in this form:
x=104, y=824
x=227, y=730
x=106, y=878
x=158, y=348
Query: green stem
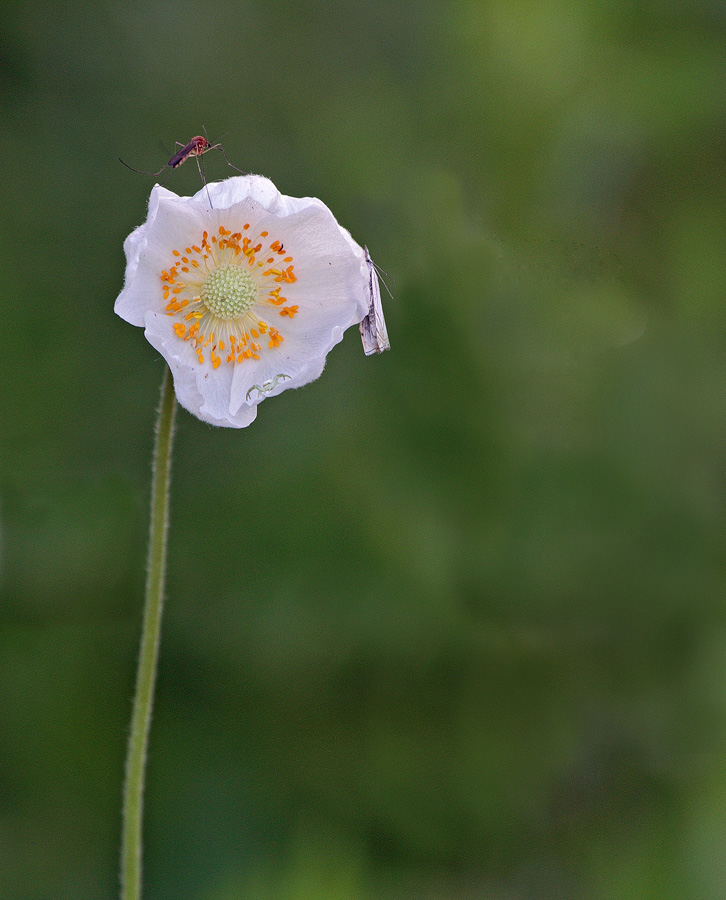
x=146, y=674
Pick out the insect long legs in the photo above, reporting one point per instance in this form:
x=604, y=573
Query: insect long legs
x=197, y=147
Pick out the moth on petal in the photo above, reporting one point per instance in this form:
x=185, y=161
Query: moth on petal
x=373, y=327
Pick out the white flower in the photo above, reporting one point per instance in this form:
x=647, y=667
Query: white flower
x=245, y=299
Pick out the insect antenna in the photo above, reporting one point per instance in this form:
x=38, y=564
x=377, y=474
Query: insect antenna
x=220, y=138
x=381, y=273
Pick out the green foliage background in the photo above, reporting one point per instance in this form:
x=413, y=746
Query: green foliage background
x=448, y=623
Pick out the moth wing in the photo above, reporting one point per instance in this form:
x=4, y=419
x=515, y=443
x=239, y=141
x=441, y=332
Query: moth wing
x=373, y=327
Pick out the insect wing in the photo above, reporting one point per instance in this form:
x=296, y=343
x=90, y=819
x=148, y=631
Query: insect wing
x=181, y=155
x=373, y=328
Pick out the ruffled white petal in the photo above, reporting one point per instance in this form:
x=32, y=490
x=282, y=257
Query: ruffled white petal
x=225, y=194
x=200, y=389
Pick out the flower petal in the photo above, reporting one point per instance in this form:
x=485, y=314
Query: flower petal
x=225, y=194
x=172, y=221
x=200, y=389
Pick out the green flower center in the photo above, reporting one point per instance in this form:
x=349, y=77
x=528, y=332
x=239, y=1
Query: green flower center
x=229, y=292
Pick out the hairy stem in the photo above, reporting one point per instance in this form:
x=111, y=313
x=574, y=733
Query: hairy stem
x=146, y=674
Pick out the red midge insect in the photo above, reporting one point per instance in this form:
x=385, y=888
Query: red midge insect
x=197, y=147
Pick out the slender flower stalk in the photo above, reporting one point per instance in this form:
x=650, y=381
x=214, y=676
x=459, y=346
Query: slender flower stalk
x=146, y=673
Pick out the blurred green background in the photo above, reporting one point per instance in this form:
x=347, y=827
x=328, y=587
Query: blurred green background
x=470, y=642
